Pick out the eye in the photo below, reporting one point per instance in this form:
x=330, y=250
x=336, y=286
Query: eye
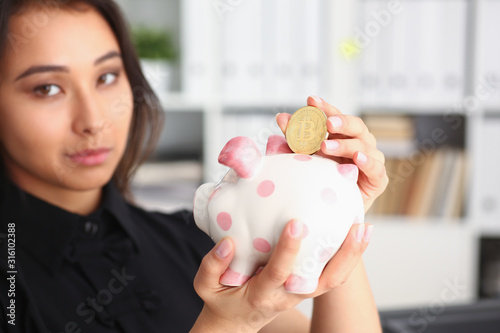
x=107, y=78
x=47, y=90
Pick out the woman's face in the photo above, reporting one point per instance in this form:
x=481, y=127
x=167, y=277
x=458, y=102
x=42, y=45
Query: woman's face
x=65, y=100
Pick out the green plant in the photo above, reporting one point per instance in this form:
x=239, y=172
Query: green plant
x=153, y=43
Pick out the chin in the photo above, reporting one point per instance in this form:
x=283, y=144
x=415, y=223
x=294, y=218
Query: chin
x=84, y=180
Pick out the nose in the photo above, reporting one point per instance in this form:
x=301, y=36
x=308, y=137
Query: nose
x=89, y=115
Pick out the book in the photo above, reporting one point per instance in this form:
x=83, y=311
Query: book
x=453, y=205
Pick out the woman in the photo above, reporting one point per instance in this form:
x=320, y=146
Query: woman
x=76, y=119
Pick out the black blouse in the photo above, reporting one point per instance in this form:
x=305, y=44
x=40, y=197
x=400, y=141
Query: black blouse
x=119, y=269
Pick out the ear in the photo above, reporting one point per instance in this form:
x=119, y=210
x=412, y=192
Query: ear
x=242, y=155
x=276, y=144
x=349, y=171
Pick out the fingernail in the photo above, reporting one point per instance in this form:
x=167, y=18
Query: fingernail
x=362, y=157
x=259, y=270
x=296, y=229
x=316, y=99
x=335, y=121
x=360, y=232
x=331, y=144
x=276, y=118
x=368, y=233
x=224, y=249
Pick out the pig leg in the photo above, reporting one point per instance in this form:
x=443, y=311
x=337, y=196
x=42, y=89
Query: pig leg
x=311, y=261
x=241, y=269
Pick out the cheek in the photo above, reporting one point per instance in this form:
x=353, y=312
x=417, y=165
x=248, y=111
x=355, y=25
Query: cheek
x=33, y=143
x=121, y=103
x=35, y=134
x=120, y=113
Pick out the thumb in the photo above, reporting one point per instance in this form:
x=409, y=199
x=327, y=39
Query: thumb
x=213, y=265
x=282, y=121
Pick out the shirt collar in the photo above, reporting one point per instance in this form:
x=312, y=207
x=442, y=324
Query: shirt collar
x=44, y=230
x=114, y=203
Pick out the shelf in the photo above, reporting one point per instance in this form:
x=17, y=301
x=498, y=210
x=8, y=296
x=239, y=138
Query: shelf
x=278, y=104
x=490, y=231
x=416, y=221
x=495, y=112
x=437, y=110
x=177, y=101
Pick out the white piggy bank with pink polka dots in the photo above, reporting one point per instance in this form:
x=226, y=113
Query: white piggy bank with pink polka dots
x=260, y=194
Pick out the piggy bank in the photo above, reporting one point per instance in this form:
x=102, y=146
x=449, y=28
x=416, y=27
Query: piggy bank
x=260, y=194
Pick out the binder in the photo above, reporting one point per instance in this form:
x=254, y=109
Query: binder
x=400, y=65
x=193, y=66
x=451, y=39
x=242, y=52
x=488, y=166
x=369, y=52
x=488, y=53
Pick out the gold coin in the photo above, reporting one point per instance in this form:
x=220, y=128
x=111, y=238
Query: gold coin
x=306, y=130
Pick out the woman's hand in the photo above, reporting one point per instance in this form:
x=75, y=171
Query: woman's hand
x=251, y=306
x=350, y=141
x=263, y=297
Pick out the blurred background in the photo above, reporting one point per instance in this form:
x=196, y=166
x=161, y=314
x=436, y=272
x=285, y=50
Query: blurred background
x=423, y=74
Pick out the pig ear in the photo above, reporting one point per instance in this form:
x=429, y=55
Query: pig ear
x=242, y=155
x=276, y=144
x=349, y=171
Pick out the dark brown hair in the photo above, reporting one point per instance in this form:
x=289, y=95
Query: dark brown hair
x=147, y=118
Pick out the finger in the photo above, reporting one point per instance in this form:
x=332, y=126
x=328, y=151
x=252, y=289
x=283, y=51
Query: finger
x=339, y=268
x=282, y=120
x=318, y=102
x=212, y=266
x=375, y=175
x=342, y=147
x=280, y=265
x=349, y=126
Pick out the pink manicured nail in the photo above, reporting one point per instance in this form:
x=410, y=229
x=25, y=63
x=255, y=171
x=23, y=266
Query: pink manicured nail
x=335, y=121
x=331, y=144
x=368, y=233
x=360, y=232
x=316, y=99
x=224, y=249
x=362, y=157
x=259, y=270
x=296, y=229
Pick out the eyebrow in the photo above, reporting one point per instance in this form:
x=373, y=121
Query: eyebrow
x=54, y=68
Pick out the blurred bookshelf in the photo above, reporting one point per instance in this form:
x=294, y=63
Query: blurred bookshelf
x=430, y=73
x=426, y=163
x=440, y=83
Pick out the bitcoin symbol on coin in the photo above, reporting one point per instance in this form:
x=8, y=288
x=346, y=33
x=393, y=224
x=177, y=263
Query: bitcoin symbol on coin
x=306, y=130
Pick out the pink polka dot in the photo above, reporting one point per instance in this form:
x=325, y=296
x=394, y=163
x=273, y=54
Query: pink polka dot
x=224, y=221
x=349, y=171
x=325, y=254
x=328, y=196
x=261, y=245
x=302, y=157
x=265, y=188
x=305, y=231
x=300, y=285
x=233, y=278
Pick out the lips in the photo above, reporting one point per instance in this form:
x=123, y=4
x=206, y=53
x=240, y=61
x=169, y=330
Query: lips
x=90, y=157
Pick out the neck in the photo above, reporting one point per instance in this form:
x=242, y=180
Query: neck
x=82, y=202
